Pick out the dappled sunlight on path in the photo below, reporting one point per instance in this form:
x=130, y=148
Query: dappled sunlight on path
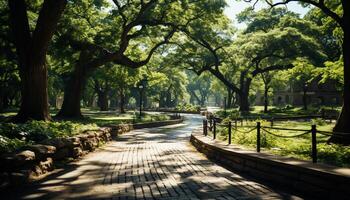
x=156, y=163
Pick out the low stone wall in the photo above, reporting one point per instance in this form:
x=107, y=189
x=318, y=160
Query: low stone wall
x=313, y=180
x=34, y=161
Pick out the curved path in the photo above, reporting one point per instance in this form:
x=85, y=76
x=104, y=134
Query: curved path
x=156, y=163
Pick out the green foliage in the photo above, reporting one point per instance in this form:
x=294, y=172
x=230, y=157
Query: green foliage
x=14, y=136
x=188, y=107
x=36, y=131
x=10, y=144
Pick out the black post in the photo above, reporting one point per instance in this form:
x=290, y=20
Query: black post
x=205, y=127
x=210, y=123
x=314, y=143
x=258, y=136
x=214, y=129
x=229, y=132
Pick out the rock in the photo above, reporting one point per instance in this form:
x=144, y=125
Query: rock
x=77, y=152
x=75, y=141
x=56, y=142
x=18, y=178
x=43, y=167
x=42, y=151
x=23, y=159
x=89, y=145
x=62, y=154
x=82, y=137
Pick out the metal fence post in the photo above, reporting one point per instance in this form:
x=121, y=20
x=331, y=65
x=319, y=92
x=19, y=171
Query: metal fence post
x=229, y=132
x=210, y=124
x=258, y=126
x=205, y=127
x=214, y=129
x=314, y=143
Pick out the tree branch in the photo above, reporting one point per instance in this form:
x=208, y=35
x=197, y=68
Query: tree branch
x=271, y=68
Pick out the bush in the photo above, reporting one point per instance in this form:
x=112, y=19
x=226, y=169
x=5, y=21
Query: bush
x=10, y=145
x=16, y=135
x=188, y=107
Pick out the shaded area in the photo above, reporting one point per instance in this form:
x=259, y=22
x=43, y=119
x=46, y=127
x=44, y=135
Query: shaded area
x=156, y=163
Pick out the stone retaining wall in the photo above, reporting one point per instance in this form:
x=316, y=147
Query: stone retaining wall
x=36, y=160
x=303, y=177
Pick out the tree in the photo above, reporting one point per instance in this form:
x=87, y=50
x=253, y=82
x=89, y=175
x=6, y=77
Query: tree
x=339, y=11
x=9, y=76
x=142, y=29
x=199, y=88
x=260, y=50
x=31, y=49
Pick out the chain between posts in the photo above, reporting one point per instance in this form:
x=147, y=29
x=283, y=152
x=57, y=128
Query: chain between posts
x=259, y=128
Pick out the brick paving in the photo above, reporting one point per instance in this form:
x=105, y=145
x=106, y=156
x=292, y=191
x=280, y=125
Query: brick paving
x=157, y=163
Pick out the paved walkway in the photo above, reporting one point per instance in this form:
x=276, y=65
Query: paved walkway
x=156, y=163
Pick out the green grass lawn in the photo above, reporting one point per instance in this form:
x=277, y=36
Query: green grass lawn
x=102, y=118
x=273, y=112
x=112, y=117
x=299, y=147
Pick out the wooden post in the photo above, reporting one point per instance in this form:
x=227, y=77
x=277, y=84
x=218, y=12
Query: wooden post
x=229, y=132
x=214, y=130
x=258, y=126
x=236, y=123
x=314, y=143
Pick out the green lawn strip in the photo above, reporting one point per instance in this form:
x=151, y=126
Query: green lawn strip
x=273, y=112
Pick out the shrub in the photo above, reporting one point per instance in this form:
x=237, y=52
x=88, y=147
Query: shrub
x=16, y=135
x=188, y=107
x=9, y=145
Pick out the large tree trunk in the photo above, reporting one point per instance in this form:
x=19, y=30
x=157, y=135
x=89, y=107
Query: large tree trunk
x=244, y=96
x=168, y=101
x=168, y=97
x=122, y=101
x=103, y=100
x=31, y=50
x=343, y=122
x=161, y=99
x=244, y=102
x=73, y=92
x=34, y=92
x=229, y=98
x=305, y=99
